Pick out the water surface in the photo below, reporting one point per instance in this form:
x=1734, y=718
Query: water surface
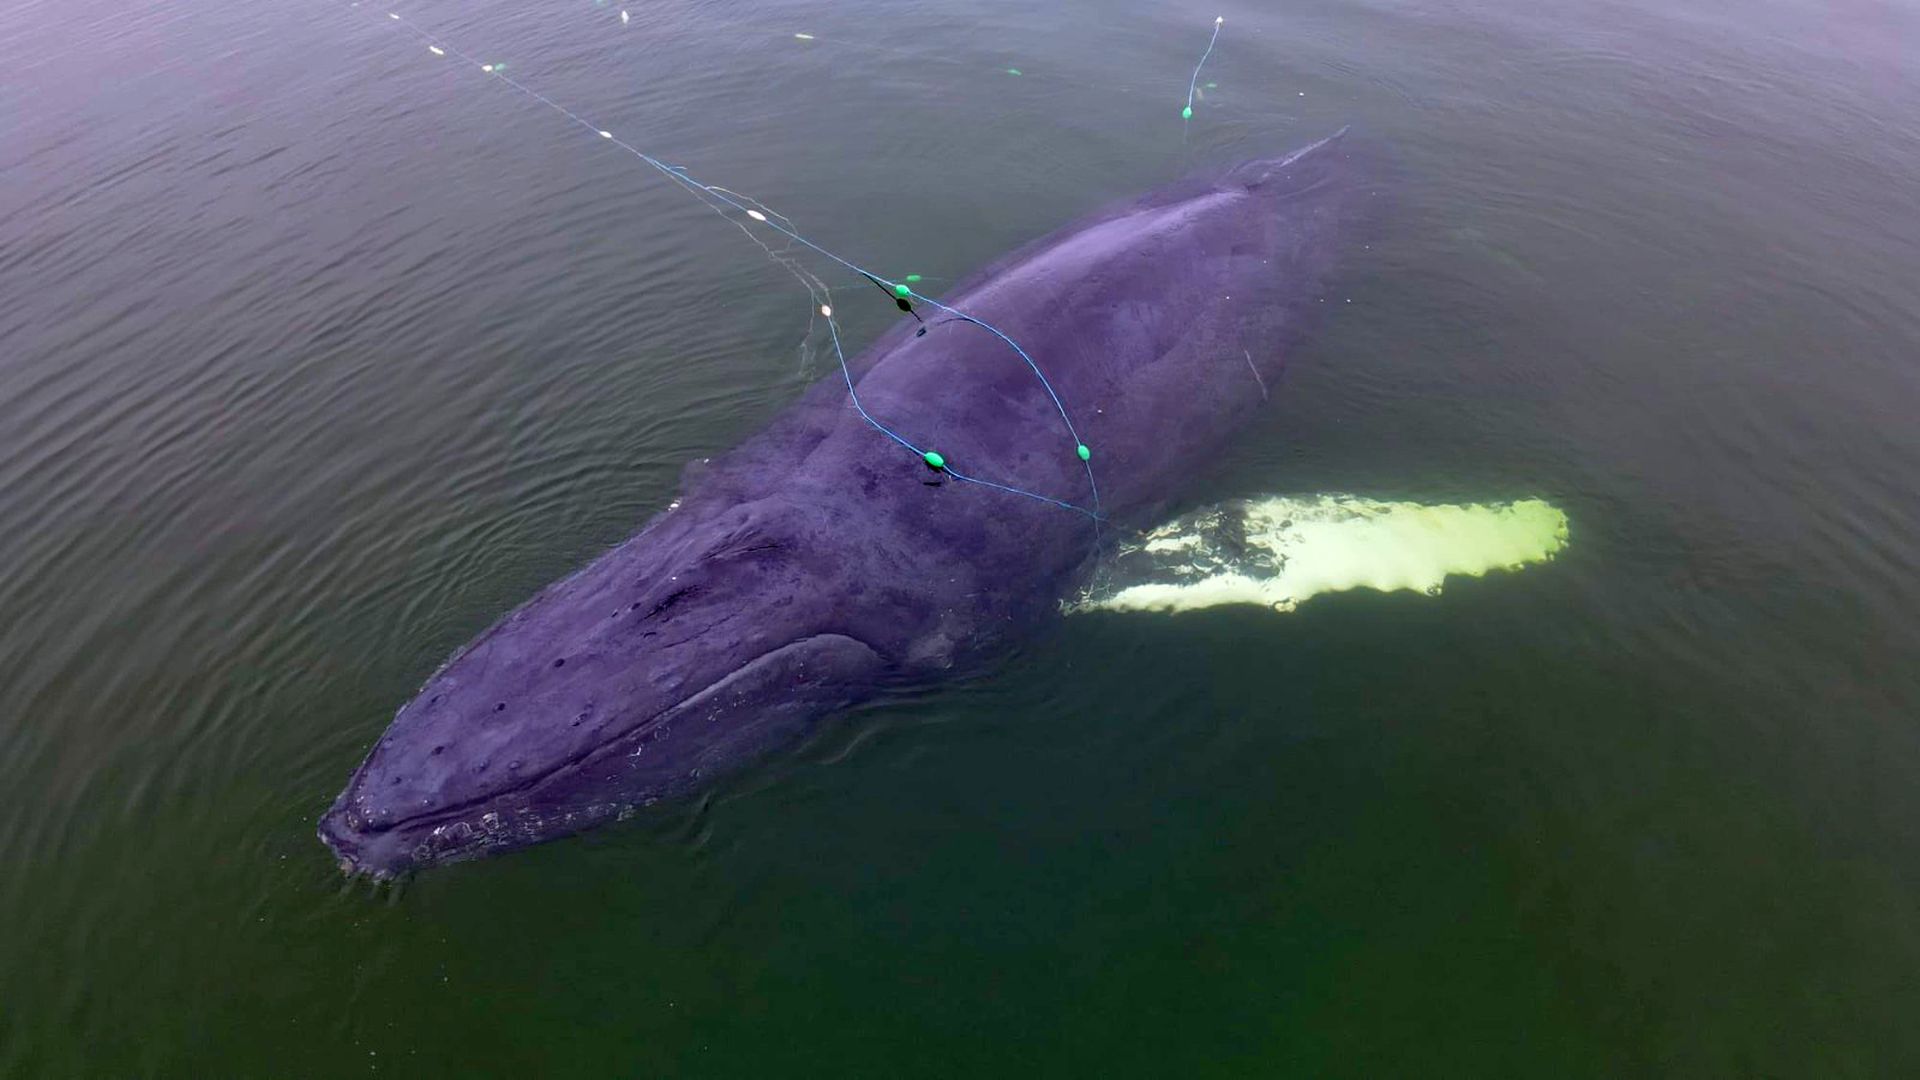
x=317, y=353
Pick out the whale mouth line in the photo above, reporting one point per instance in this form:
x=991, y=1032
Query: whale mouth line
x=335, y=832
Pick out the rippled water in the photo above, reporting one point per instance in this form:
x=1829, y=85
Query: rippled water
x=318, y=352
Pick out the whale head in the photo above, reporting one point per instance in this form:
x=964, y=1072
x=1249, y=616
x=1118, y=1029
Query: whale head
x=691, y=646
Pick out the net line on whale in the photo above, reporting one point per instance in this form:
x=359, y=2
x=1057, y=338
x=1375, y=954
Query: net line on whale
x=817, y=289
x=903, y=291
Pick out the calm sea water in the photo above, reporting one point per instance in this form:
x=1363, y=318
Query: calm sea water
x=318, y=352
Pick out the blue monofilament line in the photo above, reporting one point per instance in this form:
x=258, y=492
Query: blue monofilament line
x=855, y=394
x=1193, y=83
x=680, y=176
x=847, y=373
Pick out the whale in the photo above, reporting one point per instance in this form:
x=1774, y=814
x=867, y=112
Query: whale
x=911, y=517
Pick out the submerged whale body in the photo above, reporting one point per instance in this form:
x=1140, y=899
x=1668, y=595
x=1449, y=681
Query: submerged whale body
x=821, y=562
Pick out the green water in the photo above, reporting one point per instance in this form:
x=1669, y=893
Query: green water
x=317, y=353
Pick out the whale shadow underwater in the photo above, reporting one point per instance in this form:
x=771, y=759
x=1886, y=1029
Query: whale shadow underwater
x=822, y=563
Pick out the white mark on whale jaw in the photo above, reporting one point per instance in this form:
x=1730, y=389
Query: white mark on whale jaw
x=1279, y=552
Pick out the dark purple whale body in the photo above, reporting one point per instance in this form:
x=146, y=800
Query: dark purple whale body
x=816, y=564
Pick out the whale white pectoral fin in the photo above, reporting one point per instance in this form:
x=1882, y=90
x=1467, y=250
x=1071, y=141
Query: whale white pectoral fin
x=1279, y=552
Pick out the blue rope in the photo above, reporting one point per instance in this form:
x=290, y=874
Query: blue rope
x=679, y=175
x=855, y=394
x=949, y=470
x=964, y=317
x=847, y=373
x=989, y=328
x=1195, y=81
